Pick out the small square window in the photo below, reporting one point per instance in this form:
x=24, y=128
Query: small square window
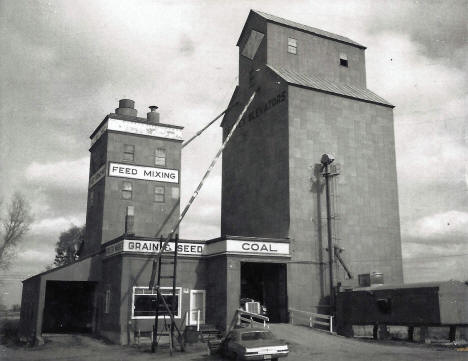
x=343, y=60
x=129, y=153
x=292, y=46
x=159, y=193
x=160, y=157
x=127, y=190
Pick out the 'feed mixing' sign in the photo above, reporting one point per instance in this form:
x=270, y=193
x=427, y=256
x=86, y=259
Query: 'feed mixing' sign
x=144, y=173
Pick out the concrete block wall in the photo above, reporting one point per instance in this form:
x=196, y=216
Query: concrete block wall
x=191, y=275
x=151, y=218
x=361, y=137
x=254, y=176
x=315, y=56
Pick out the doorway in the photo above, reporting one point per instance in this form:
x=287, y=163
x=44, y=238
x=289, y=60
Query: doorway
x=266, y=283
x=68, y=307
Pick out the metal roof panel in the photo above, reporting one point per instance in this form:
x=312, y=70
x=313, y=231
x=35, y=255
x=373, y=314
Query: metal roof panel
x=309, y=29
x=317, y=83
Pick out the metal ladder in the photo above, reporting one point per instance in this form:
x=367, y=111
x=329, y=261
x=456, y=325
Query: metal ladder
x=166, y=258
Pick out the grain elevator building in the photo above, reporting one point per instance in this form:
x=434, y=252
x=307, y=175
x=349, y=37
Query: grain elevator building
x=311, y=99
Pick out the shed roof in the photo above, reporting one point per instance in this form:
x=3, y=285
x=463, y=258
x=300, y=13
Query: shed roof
x=314, y=82
x=306, y=28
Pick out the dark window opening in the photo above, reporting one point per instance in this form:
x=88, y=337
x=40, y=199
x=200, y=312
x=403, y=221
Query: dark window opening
x=344, y=60
x=145, y=304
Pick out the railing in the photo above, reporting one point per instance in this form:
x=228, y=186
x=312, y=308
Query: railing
x=251, y=319
x=310, y=319
x=188, y=317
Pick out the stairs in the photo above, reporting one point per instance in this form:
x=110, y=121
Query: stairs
x=209, y=333
x=212, y=337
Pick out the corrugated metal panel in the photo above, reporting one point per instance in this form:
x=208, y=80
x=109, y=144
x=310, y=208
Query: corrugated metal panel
x=309, y=29
x=314, y=82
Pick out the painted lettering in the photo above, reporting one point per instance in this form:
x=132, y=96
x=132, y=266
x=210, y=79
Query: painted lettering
x=262, y=109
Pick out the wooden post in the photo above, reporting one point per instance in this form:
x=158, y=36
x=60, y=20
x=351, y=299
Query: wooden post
x=452, y=332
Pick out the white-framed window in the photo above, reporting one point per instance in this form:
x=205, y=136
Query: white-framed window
x=292, y=46
x=107, y=301
x=160, y=157
x=197, y=303
x=144, y=302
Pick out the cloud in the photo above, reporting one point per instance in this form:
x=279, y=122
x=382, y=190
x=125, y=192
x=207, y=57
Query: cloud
x=69, y=175
x=447, y=224
x=54, y=226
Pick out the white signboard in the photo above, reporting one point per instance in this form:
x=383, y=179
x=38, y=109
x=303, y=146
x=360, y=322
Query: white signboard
x=140, y=246
x=229, y=246
x=145, y=173
x=97, y=176
x=153, y=130
x=257, y=247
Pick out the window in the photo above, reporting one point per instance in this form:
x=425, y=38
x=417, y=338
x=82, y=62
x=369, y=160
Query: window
x=159, y=194
x=144, y=302
x=129, y=153
x=343, y=60
x=292, y=46
x=127, y=190
x=107, y=301
x=252, y=44
x=160, y=157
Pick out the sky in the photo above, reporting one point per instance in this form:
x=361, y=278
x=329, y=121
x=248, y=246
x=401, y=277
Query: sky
x=65, y=65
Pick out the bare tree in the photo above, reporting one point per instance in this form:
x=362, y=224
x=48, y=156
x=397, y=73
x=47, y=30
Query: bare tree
x=14, y=226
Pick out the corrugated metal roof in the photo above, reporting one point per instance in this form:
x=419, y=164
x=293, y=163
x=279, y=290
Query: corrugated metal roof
x=315, y=82
x=309, y=29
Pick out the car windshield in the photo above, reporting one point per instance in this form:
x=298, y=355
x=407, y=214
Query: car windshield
x=256, y=335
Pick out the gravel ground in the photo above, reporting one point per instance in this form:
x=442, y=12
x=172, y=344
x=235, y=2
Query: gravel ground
x=305, y=344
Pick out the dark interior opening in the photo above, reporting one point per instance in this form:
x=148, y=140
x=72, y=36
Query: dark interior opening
x=68, y=307
x=267, y=284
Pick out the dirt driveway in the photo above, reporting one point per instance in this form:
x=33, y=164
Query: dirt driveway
x=305, y=344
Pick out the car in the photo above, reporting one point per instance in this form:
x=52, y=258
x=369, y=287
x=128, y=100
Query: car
x=253, y=344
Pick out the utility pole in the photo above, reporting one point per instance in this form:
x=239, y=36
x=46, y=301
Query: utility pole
x=326, y=160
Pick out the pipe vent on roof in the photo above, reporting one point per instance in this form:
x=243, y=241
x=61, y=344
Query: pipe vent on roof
x=126, y=107
x=153, y=115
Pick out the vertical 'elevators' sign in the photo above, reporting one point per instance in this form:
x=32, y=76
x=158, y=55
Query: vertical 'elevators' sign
x=144, y=173
x=97, y=176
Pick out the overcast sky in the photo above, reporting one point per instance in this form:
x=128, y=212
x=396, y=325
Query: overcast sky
x=65, y=65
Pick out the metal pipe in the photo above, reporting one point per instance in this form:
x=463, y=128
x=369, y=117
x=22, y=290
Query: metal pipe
x=329, y=236
x=206, y=126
